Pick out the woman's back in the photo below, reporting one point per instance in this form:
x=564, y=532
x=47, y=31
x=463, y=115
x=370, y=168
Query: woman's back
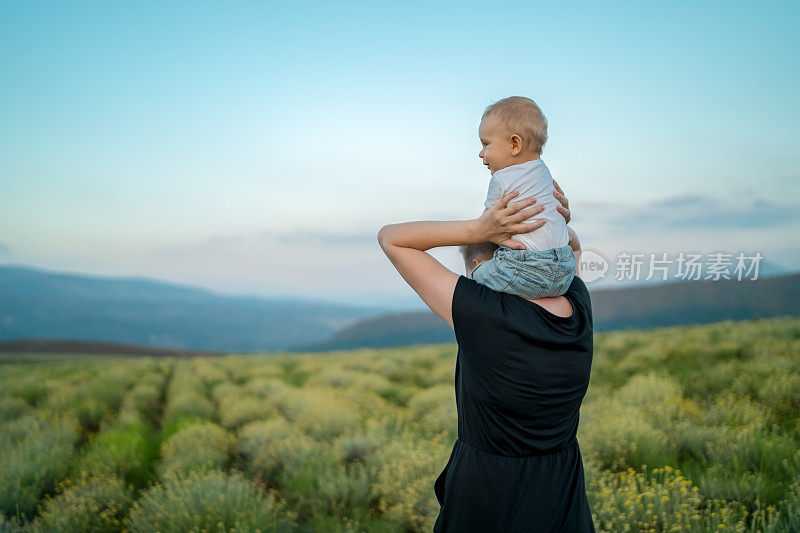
x=521, y=374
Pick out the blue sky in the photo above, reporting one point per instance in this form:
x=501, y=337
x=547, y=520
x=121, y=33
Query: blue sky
x=258, y=147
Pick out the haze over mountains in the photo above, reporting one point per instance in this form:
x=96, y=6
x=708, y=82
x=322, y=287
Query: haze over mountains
x=38, y=304
x=42, y=304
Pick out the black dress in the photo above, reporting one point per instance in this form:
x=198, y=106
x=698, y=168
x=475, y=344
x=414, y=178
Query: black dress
x=521, y=374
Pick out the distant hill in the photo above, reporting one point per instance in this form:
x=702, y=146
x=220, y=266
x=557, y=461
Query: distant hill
x=71, y=346
x=667, y=304
x=696, y=302
x=395, y=329
x=40, y=304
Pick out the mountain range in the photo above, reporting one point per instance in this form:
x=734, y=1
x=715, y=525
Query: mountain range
x=641, y=306
x=37, y=303
x=44, y=310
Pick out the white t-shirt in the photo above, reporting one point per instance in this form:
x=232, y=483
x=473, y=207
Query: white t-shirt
x=531, y=179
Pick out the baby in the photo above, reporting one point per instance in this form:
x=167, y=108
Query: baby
x=513, y=132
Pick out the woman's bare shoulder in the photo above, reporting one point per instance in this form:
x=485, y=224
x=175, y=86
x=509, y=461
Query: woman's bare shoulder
x=558, y=305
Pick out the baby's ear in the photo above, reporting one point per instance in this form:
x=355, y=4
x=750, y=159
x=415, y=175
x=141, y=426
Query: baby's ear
x=516, y=144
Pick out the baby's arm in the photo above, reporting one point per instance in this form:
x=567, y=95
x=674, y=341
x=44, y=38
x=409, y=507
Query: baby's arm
x=575, y=244
x=495, y=192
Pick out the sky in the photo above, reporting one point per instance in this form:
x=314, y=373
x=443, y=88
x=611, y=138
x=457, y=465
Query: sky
x=258, y=147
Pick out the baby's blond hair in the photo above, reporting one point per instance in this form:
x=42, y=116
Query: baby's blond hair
x=522, y=116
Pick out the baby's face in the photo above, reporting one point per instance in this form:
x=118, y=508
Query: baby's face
x=496, y=151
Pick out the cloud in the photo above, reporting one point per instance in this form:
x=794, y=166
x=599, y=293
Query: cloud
x=693, y=211
x=324, y=264
x=681, y=201
x=4, y=250
x=339, y=240
x=325, y=238
x=788, y=179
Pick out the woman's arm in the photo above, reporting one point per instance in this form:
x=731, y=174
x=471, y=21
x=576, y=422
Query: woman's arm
x=405, y=245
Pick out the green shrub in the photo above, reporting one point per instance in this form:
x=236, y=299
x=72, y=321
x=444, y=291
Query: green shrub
x=434, y=411
x=321, y=413
x=659, y=500
x=31, y=389
x=197, y=446
x=265, y=388
x=362, y=519
x=781, y=393
x=268, y=447
x=334, y=377
x=207, y=501
x=322, y=485
x=750, y=465
x=125, y=450
x=787, y=517
x=75, y=399
x=404, y=471
x=236, y=411
x=143, y=399
x=353, y=440
x=736, y=412
x=370, y=381
x=357, y=446
x=398, y=394
x=618, y=436
x=9, y=525
x=35, y=453
x=109, y=389
x=648, y=390
x=245, y=369
x=188, y=404
x=12, y=407
x=208, y=372
x=93, y=504
x=365, y=403
x=175, y=424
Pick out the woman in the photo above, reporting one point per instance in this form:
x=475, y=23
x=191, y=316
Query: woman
x=522, y=370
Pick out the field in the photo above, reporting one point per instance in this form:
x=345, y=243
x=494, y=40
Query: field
x=683, y=429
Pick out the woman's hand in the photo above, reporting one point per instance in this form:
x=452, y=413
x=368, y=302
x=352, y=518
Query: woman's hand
x=564, y=207
x=574, y=242
x=499, y=223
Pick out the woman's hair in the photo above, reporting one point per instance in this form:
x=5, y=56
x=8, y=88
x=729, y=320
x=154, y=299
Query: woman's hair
x=471, y=251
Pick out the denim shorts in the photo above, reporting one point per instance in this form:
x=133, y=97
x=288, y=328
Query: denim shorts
x=527, y=273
